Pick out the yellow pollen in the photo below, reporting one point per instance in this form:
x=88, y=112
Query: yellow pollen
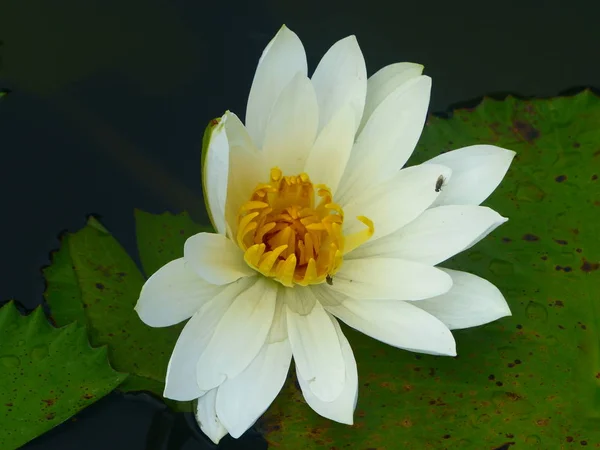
x=292, y=235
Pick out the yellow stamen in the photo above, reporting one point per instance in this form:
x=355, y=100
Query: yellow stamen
x=292, y=235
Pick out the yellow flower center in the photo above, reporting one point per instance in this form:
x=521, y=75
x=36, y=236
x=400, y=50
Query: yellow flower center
x=286, y=237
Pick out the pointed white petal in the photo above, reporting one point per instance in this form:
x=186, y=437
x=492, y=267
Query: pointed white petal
x=239, y=336
x=329, y=155
x=281, y=60
x=436, y=235
x=317, y=352
x=243, y=399
x=397, y=323
x=388, y=139
x=476, y=171
x=389, y=279
x=215, y=171
x=246, y=169
x=342, y=408
x=471, y=302
x=394, y=203
x=206, y=416
x=292, y=126
x=216, y=258
x=384, y=82
x=181, y=381
x=340, y=80
x=173, y=294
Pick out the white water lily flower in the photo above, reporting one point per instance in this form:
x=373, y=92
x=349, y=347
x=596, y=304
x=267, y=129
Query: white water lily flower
x=317, y=220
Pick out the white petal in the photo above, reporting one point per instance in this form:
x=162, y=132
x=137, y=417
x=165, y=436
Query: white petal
x=246, y=169
x=317, y=352
x=300, y=299
x=207, y=417
x=216, y=258
x=181, y=381
x=239, y=336
x=281, y=60
x=384, y=82
x=342, y=408
x=436, y=235
x=340, y=79
x=476, y=171
x=292, y=126
x=389, y=279
x=397, y=323
x=172, y=294
x=471, y=302
x=329, y=155
x=243, y=399
x=388, y=139
x=215, y=171
x=394, y=203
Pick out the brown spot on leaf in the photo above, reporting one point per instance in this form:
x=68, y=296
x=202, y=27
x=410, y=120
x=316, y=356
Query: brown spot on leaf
x=506, y=239
x=583, y=442
x=530, y=237
x=406, y=423
x=88, y=396
x=513, y=396
x=491, y=377
x=50, y=416
x=9, y=404
x=594, y=177
x=525, y=130
x=576, y=144
x=587, y=266
x=446, y=436
x=560, y=178
x=569, y=439
x=559, y=303
x=564, y=269
x=49, y=402
x=504, y=446
x=544, y=257
x=542, y=422
x=100, y=286
x=560, y=241
x=578, y=250
x=499, y=383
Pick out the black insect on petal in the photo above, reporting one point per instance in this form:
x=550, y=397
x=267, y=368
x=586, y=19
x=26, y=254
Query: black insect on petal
x=439, y=183
x=329, y=280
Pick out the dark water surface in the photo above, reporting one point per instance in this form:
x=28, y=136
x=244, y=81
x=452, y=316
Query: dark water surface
x=110, y=98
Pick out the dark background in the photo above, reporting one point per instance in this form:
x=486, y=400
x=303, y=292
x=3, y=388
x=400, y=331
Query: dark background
x=109, y=100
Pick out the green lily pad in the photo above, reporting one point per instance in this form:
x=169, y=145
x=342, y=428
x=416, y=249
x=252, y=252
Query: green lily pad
x=46, y=375
x=160, y=238
x=94, y=281
x=531, y=380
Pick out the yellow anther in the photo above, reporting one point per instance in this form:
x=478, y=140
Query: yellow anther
x=286, y=236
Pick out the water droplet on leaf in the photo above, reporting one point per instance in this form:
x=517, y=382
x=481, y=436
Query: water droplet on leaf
x=10, y=361
x=499, y=267
x=39, y=352
x=536, y=311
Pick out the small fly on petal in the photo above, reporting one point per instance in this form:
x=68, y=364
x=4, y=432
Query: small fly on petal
x=329, y=280
x=439, y=183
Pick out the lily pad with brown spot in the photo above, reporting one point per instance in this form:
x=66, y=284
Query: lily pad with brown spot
x=46, y=375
